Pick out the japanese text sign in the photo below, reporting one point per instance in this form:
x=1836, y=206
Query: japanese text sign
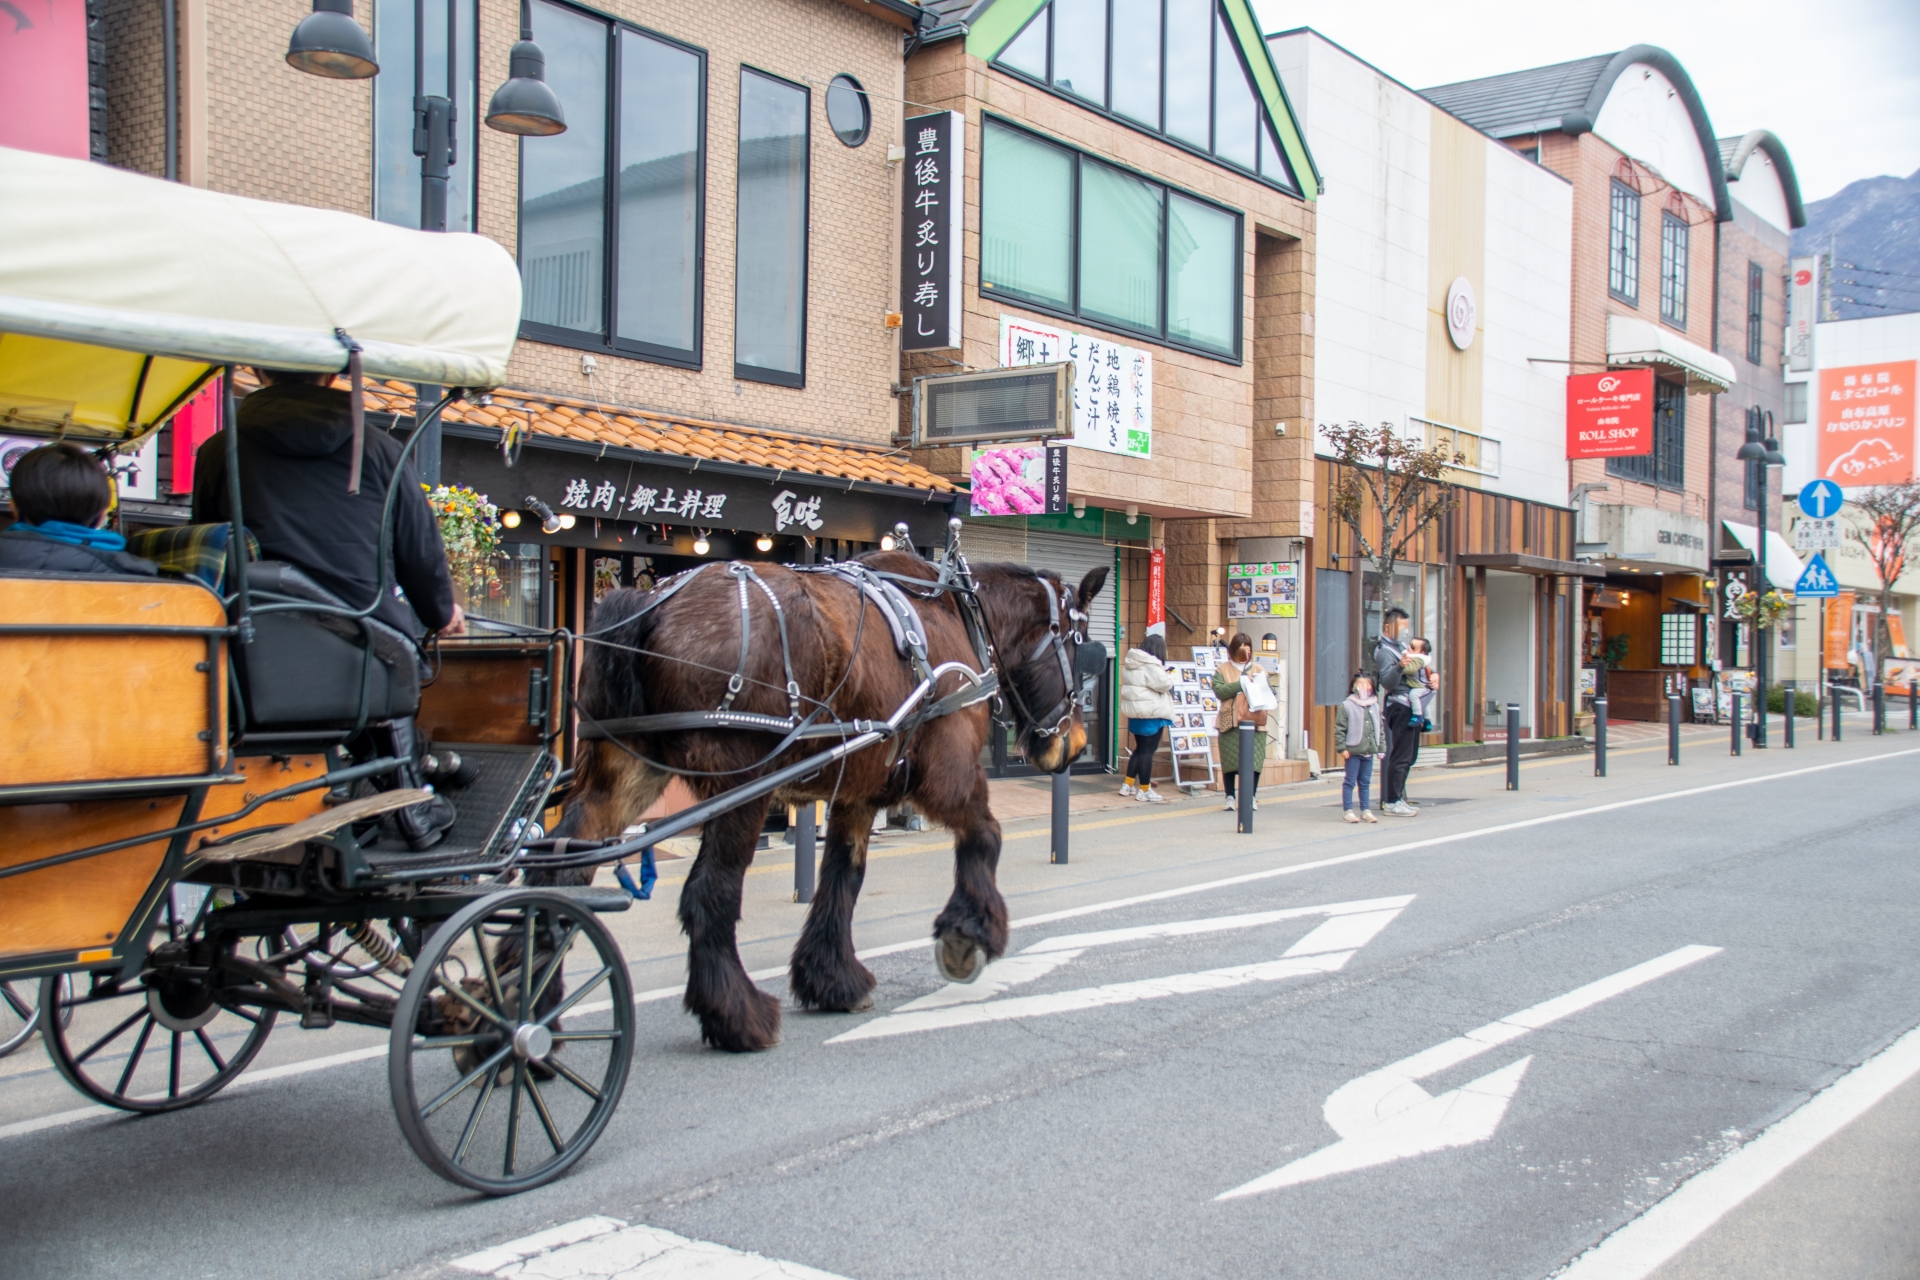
x=1610, y=415
x=1270, y=590
x=1112, y=383
x=1865, y=413
x=931, y=223
x=1019, y=480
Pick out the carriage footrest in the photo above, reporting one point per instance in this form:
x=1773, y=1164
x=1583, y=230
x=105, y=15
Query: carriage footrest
x=596, y=899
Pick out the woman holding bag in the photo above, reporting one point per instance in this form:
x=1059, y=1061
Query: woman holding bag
x=1144, y=684
x=1228, y=687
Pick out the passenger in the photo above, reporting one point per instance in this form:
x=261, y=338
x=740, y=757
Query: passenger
x=296, y=449
x=60, y=498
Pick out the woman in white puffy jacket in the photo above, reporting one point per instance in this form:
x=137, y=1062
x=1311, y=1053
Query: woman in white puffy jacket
x=1144, y=684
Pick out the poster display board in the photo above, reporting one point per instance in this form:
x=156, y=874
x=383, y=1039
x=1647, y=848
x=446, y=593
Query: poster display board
x=1270, y=589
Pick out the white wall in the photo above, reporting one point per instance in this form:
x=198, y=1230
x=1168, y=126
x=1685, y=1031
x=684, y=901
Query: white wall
x=1760, y=189
x=1526, y=323
x=1644, y=117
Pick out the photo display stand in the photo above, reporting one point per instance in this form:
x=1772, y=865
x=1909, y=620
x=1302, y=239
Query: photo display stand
x=1195, y=712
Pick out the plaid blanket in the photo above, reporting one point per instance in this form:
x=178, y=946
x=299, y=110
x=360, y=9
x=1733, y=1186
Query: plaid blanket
x=196, y=551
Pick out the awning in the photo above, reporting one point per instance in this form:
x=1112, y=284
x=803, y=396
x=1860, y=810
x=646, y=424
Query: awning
x=1783, y=562
x=1635, y=341
x=1521, y=562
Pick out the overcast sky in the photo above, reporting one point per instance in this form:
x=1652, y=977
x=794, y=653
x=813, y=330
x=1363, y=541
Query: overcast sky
x=1838, y=81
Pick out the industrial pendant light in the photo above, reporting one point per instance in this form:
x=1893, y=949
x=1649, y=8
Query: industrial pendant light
x=525, y=105
x=329, y=43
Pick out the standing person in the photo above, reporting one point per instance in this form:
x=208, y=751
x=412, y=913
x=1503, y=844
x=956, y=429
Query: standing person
x=1144, y=685
x=1227, y=687
x=1360, y=735
x=1402, y=742
x=60, y=497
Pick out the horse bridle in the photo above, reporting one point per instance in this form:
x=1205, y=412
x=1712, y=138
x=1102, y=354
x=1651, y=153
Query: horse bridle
x=1059, y=719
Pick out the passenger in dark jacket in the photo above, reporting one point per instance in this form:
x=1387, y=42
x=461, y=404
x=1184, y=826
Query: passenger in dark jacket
x=296, y=447
x=60, y=498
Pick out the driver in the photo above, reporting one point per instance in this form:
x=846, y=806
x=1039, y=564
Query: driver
x=296, y=448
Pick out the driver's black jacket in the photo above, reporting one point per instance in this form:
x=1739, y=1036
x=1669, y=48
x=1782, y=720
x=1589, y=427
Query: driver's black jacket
x=296, y=445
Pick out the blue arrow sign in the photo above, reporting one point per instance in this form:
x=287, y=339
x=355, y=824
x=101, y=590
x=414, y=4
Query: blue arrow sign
x=1821, y=498
x=1818, y=582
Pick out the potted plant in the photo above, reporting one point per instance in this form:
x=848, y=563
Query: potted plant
x=470, y=532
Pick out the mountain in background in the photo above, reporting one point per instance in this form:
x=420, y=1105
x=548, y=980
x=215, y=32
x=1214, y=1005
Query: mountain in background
x=1875, y=230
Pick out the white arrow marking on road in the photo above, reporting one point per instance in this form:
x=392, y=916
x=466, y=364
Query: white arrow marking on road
x=1385, y=1116
x=1326, y=948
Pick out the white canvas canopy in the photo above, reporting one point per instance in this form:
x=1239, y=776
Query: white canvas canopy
x=119, y=292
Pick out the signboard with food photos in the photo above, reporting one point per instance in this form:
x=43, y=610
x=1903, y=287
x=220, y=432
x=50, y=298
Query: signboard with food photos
x=1266, y=590
x=1195, y=709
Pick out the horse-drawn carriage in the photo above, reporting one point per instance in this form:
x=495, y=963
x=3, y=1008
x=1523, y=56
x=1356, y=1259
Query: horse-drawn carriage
x=196, y=813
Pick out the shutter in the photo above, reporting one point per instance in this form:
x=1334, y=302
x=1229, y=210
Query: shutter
x=984, y=543
x=1073, y=558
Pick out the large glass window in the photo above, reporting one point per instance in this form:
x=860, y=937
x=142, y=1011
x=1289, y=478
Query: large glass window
x=1673, y=269
x=615, y=264
x=1062, y=232
x=770, y=257
x=396, y=172
x=1176, y=69
x=1623, y=244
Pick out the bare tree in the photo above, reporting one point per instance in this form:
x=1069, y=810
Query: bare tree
x=1389, y=477
x=1885, y=522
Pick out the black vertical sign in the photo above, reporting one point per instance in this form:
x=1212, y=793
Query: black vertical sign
x=932, y=201
x=1056, y=455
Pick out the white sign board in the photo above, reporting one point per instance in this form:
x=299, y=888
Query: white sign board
x=1112, y=383
x=1816, y=535
x=1803, y=301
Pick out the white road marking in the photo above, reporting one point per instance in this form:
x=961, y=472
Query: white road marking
x=993, y=981
x=1641, y=1246
x=63, y=1118
x=1326, y=948
x=1385, y=1116
x=601, y=1246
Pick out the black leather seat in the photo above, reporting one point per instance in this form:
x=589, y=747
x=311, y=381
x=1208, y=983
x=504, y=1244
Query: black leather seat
x=320, y=671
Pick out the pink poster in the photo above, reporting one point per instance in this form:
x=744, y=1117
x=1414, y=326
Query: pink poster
x=43, y=77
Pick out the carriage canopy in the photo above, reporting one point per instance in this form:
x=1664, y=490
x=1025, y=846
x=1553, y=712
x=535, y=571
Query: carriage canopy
x=119, y=295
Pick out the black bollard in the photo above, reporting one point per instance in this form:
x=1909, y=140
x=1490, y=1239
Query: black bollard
x=803, y=842
x=1820, y=714
x=1790, y=691
x=1735, y=719
x=1673, y=728
x=1244, y=783
x=1913, y=701
x=1599, y=737
x=1513, y=746
x=1835, y=699
x=1879, y=708
x=1061, y=795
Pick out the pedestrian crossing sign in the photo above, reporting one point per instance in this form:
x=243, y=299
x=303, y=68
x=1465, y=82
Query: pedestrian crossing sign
x=1818, y=582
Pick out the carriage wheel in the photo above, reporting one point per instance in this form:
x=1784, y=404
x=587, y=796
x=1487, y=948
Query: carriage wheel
x=504, y=1073
x=159, y=1042
x=20, y=1013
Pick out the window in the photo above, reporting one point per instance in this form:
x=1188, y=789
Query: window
x=1673, y=269
x=1796, y=402
x=1172, y=67
x=1679, y=639
x=1477, y=453
x=1063, y=232
x=396, y=169
x=1756, y=474
x=616, y=265
x=516, y=596
x=1623, y=244
x=1666, y=466
x=849, y=114
x=770, y=255
x=1756, y=297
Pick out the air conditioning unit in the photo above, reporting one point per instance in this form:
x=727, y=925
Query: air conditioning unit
x=1033, y=402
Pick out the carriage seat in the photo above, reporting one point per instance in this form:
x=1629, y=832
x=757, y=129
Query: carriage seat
x=304, y=671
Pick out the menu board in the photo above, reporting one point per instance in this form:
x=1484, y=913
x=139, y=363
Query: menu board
x=1195, y=710
x=1267, y=590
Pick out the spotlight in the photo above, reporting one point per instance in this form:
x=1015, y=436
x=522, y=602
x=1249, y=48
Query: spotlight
x=549, y=522
x=1079, y=511
x=764, y=542
x=330, y=44
x=510, y=519
x=1133, y=513
x=566, y=522
x=700, y=545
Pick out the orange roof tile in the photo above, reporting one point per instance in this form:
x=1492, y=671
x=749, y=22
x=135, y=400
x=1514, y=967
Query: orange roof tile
x=648, y=431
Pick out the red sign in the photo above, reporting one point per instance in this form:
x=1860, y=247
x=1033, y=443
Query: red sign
x=1157, y=591
x=43, y=77
x=192, y=425
x=1610, y=415
x=1866, y=424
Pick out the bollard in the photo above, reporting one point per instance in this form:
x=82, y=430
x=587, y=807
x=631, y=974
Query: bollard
x=1244, y=784
x=1673, y=728
x=1820, y=714
x=1879, y=708
x=804, y=836
x=1061, y=795
x=1792, y=691
x=1735, y=720
x=1599, y=737
x=1834, y=698
x=1513, y=746
x=1913, y=701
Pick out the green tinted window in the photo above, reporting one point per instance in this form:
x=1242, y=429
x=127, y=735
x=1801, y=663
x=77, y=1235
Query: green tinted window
x=1119, y=247
x=1202, y=260
x=1026, y=216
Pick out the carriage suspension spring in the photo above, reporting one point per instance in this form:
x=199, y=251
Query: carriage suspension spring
x=375, y=944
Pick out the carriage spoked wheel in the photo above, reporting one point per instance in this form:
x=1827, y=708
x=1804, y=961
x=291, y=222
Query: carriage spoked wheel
x=157, y=1042
x=20, y=1013
x=511, y=1041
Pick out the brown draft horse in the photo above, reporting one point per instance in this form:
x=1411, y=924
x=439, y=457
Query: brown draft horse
x=679, y=656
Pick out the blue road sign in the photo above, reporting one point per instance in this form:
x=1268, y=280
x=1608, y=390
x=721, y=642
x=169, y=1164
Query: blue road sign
x=1818, y=582
x=1821, y=498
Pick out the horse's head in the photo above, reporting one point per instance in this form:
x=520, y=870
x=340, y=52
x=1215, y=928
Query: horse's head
x=1038, y=627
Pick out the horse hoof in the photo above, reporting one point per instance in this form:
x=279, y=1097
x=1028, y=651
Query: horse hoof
x=964, y=966
x=864, y=1006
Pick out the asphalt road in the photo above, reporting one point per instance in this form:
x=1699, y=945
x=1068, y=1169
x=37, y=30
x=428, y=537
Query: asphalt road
x=1622, y=982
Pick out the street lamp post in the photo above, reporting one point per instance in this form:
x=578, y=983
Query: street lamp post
x=1767, y=454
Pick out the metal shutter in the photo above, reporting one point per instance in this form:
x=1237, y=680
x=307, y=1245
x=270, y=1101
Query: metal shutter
x=992, y=542
x=1073, y=558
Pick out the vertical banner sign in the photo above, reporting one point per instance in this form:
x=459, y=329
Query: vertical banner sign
x=1865, y=414
x=1839, y=636
x=1157, y=592
x=1112, y=383
x=1803, y=307
x=1056, y=456
x=1610, y=415
x=931, y=221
